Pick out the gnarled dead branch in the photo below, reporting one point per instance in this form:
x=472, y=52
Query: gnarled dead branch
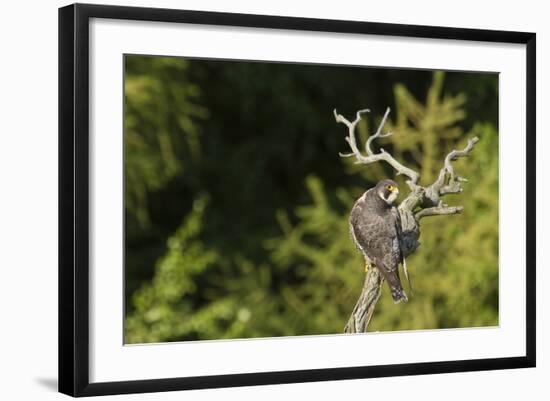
x=420, y=202
x=372, y=157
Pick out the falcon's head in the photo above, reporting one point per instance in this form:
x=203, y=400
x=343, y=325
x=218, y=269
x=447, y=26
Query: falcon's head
x=387, y=190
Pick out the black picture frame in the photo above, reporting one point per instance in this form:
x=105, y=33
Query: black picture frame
x=74, y=198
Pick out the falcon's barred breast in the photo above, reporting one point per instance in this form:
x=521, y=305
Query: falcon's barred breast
x=375, y=227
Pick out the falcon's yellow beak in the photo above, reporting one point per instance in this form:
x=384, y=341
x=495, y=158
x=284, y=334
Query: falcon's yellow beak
x=392, y=188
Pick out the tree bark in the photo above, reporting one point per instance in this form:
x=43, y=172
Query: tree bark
x=364, y=308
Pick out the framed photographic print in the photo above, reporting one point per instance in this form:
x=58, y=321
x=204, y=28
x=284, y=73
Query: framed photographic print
x=251, y=199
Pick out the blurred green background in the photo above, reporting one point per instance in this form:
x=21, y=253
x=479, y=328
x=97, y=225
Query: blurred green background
x=236, y=201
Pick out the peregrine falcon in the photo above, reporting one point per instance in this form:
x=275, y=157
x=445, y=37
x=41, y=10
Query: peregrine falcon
x=375, y=227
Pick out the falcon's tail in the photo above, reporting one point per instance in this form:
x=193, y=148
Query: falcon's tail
x=397, y=292
x=398, y=295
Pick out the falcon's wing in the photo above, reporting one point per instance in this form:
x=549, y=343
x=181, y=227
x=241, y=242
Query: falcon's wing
x=399, y=231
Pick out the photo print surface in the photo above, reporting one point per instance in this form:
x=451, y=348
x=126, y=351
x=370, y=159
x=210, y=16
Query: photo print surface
x=277, y=199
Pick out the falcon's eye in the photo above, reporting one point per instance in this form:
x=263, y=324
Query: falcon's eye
x=389, y=187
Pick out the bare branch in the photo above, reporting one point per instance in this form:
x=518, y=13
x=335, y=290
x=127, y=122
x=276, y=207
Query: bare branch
x=438, y=211
x=364, y=308
x=455, y=154
x=350, y=139
x=372, y=157
x=452, y=186
x=378, y=133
